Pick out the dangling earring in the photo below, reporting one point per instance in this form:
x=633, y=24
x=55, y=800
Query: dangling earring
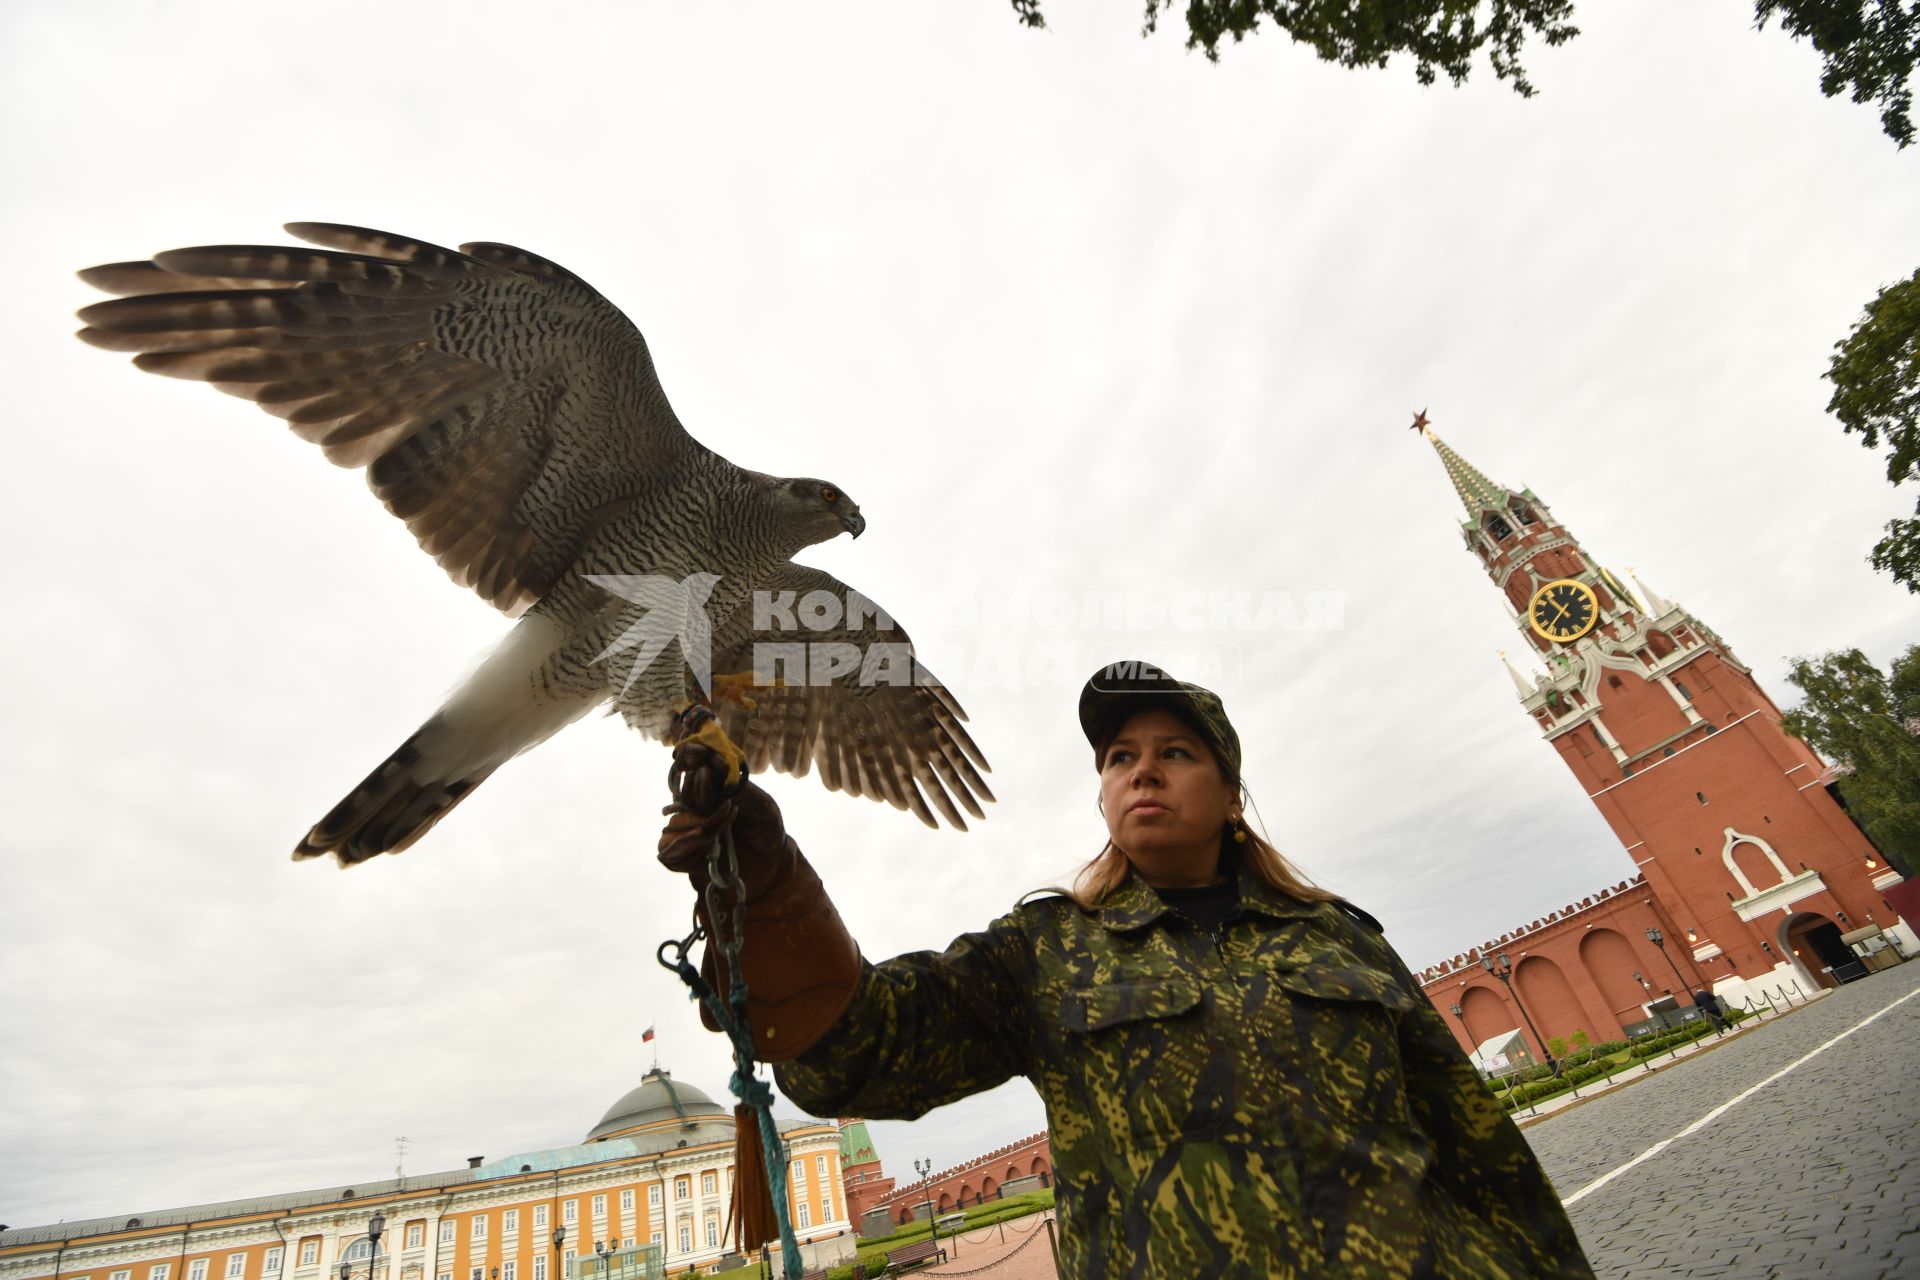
x=1239, y=831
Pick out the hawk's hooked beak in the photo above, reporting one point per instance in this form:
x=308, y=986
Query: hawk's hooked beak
x=855, y=522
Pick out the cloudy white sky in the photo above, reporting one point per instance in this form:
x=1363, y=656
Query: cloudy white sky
x=1067, y=312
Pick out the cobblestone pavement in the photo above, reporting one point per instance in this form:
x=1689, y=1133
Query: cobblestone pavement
x=1814, y=1174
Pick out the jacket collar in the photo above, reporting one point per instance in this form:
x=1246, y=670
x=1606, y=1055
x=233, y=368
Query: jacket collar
x=1135, y=905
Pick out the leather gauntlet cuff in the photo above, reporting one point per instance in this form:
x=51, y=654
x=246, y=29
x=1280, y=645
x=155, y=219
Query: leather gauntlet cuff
x=800, y=962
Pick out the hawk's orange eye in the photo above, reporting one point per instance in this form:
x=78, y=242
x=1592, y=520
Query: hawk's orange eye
x=828, y=495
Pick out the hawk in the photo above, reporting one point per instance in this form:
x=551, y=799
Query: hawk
x=511, y=416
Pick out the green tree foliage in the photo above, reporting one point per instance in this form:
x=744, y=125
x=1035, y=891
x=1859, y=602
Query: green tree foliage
x=1865, y=46
x=1867, y=721
x=1875, y=374
x=1442, y=35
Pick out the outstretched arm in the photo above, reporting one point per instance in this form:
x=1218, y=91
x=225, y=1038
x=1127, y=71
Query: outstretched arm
x=923, y=1029
x=895, y=1039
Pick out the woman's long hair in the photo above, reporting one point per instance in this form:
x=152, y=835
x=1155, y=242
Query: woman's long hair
x=1108, y=869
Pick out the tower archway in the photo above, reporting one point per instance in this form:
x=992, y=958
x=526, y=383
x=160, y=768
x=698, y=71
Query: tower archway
x=1813, y=943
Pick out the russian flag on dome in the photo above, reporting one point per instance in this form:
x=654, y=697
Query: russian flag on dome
x=646, y=1035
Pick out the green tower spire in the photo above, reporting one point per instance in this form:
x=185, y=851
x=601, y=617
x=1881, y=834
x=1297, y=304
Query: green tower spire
x=856, y=1146
x=1476, y=492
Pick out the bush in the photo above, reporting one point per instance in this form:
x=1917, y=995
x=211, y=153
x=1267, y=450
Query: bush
x=1571, y=1077
x=1667, y=1040
x=1587, y=1071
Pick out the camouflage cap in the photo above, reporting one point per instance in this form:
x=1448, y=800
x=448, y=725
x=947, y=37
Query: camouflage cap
x=1121, y=689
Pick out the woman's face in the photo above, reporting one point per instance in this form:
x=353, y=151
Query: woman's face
x=1165, y=800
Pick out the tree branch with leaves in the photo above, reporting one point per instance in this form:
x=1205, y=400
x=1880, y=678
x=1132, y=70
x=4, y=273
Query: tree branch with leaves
x=1867, y=47
x=1865, y=721
x=1875, y=374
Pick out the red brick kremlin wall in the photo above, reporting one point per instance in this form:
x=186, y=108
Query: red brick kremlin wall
x=1573, y=969
x=977, y=1180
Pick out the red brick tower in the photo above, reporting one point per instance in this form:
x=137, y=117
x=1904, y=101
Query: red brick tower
x=865, y=1182
x=1753, y=870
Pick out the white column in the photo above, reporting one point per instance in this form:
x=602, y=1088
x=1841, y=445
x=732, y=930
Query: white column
x=1693, y=717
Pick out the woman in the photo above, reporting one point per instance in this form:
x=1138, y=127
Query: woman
x=1241, y=1077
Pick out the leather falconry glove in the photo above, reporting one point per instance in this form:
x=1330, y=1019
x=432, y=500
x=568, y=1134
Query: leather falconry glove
x=800, y=963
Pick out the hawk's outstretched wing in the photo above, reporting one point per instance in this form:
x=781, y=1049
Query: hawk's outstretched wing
x=501, y=406
x=881, y=727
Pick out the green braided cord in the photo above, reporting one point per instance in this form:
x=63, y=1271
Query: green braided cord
x=723, y=872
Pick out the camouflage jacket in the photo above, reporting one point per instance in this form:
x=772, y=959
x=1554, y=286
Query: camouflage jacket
x=1273, y=1099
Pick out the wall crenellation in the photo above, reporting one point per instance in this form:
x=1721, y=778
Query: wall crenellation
x=1469, y=958
x=997, y=1153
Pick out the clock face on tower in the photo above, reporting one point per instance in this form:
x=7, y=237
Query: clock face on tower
x=1563, y=610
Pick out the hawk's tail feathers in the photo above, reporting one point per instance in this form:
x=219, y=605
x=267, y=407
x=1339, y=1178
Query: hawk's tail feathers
x=493, y=715
x=391, y=809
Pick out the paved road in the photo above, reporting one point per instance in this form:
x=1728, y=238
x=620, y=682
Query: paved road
x=1815, y=1174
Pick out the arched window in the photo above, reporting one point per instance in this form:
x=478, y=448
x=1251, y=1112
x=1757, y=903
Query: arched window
x=1522, y=509
x=1497, y=526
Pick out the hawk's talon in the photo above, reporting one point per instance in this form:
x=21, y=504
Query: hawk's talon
x=732, y=686
x=695, y=724
x=715, y=739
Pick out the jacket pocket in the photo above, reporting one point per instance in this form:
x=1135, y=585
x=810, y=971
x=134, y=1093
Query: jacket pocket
x=1086, y=1009
x=1335, y=1032
x=1361, y=985
x=1147, y=1064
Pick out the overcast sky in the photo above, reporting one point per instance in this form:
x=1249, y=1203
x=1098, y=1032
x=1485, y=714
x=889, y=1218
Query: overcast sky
x=1067, y=312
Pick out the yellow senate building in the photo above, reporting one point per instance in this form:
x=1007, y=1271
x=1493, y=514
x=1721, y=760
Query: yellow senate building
x=648, y=1194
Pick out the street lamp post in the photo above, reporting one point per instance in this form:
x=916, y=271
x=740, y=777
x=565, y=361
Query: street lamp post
x=1504, y=971
x=559, y=1238
x=923, y=1168
x=1461, y=1014
x=605, y=1249
x=1659, y=940
x=375, y=1225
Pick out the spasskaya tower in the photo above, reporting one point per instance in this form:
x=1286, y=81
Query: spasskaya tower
x=1753, y=872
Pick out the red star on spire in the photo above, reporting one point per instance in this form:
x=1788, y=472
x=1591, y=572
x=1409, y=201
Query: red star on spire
x=1420, y=421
